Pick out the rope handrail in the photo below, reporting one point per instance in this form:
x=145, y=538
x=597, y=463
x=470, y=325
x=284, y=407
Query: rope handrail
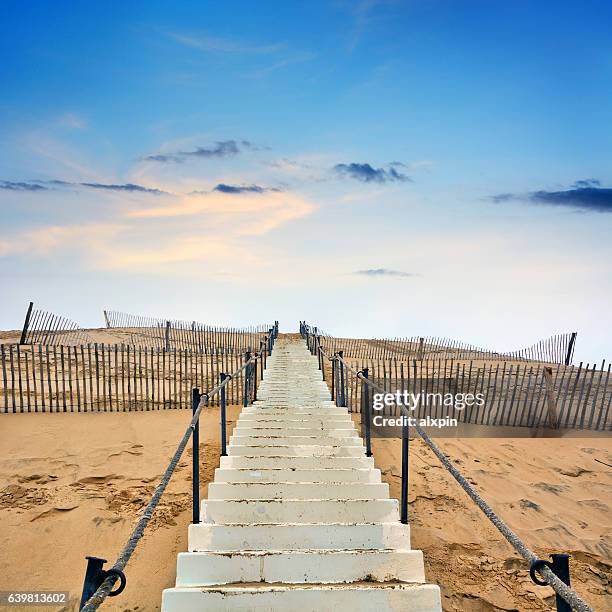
x=103, y=591
x=563, y=590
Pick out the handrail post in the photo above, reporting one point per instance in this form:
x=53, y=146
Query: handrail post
x=322, y=360
x=333, y=380
x=560, y=566
x=222, y=377
x=254, y=367
x=245, y=394
x=405, y=442
x=262, y=357
x=195, y=402
x=365, y=394
x=342, y=394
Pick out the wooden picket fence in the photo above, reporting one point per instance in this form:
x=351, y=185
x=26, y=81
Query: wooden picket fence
x=516, y=394
x=110, y=378
x=556, y=349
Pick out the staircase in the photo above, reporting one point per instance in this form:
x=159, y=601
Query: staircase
x=297, y=517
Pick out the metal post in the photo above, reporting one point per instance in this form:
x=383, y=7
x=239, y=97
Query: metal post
x=322, y=361
x=95, y=575
x=560, y=566
x=405, y=441
x=223, y=376
x=342, y=393
x=26, y=323
x=255, y=380
x=195, y=402
x=245, y=395
x=365, y=393
x=333, y=379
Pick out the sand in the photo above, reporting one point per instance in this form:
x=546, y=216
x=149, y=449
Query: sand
x=72, y=485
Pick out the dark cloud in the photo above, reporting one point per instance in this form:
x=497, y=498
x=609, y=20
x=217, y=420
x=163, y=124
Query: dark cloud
x=582, y=195
x=21, y=186
x=221, y=149
x=368, y=174
x=380, y=272
x=43, y=186
x=223, y=188
x=122, y=187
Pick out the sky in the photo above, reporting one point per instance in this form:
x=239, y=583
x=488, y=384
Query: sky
x=377, y=167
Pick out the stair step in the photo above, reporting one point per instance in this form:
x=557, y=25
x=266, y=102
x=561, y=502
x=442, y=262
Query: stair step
x=279, y=430
x=297, y=490
x=293, y=475
x=357, y=597
x=314, y=510
x=196, y=569
x=286, y=461
x=291, y=536
x=295, y=451
x=278, y=440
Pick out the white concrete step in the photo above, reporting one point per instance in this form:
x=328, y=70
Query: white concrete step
x=314, y=510
x=239, y=439
x=298, y=566
x=293, y=475
x=293, y=536
x=297, y=490
x=259, y=462
x=295, y=451
x=244, y=430
x=358, y=597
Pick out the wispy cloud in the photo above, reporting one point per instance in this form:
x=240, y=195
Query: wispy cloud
x=72, y=121
x=220, y=149
x=368, y=174
x=21, y=186
x=44, y=186
x=283, y=63
x=124, y=187
x=216, y=44
x=223, y=188
x=582, y=195
x=384, y=272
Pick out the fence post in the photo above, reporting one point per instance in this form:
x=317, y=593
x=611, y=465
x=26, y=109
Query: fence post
x=420, y=353
x=342, y=391
x=167, y=336
x=106, y=319
x=570, y=349
x=405, y=442
x=365, y=396
x=195, y=468
x=245, y=395
x=26, y=324
x=550, y=398
x=222, y=377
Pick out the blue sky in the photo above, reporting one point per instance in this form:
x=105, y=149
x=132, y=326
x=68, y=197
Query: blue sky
x=237, y=161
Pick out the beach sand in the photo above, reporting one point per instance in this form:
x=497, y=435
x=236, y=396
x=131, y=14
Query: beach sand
x=73, y=485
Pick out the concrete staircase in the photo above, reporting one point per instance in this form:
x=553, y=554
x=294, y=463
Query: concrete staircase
x=297, y=517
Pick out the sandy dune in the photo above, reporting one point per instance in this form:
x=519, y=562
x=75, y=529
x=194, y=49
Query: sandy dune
x=73, y=485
